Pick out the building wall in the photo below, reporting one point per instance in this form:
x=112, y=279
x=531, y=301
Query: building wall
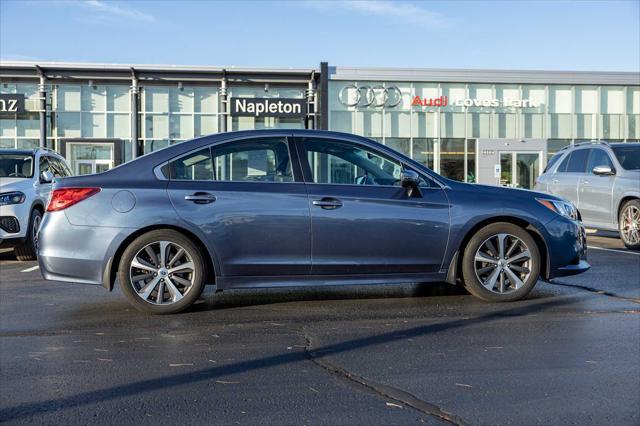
x=444, y=137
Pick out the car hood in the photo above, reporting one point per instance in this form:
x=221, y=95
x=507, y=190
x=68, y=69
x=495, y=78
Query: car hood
x=15, y=184
x=508, y=192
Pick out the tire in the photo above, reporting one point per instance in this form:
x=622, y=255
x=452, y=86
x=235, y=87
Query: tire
x=29, y=249
x=629, y=224
x=512, y=280
x=142, y=288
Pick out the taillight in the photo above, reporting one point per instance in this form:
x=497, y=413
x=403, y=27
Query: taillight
x=66, y=197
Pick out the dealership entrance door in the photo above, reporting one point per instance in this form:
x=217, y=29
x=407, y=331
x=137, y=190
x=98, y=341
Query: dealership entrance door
x=519, y=169
x=511, y=162
x=89, y=156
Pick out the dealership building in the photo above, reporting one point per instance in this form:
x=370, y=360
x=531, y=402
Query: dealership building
x=487, y=126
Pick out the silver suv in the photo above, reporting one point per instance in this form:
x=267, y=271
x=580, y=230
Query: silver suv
x=25, y=184
x=603, y=181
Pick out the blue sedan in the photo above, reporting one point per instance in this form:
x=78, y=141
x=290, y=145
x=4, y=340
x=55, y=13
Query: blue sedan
x=298, y=208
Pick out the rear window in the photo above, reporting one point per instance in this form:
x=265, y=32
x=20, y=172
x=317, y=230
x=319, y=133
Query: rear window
x=194, y=166
x=578, y=161
x=628, y=156
x=552, y=161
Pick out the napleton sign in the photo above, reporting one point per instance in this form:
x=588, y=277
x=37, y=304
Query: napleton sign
x=268, y=107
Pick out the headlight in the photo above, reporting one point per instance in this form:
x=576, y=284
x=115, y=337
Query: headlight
x=563, y=208
x=11, y=198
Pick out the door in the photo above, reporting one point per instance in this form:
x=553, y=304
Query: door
x=595, y=192
x=249, y=203
x=566, y=179
x=88, y=167
x=519, y=169
x=363, y=221
x=90, y=157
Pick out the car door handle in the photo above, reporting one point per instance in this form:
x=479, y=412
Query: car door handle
x=328, y=203
x=200, y=198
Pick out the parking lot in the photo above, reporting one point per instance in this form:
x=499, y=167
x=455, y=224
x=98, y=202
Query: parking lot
x=359, y=355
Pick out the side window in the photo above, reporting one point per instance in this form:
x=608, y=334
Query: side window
x=64, y=169
x=344, y=163
x=578, y=161
x=56, y=168
x=552, y=161
x=253, y=160
x=562, y=168
x=597, y=158
x=194, y=166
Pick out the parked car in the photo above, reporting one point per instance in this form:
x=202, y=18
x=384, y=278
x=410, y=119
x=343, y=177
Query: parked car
x=603, y=181
x=298, y=208
x=25, y=184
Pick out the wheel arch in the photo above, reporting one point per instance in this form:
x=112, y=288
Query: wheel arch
x=621, y=204
x=455, y=266
x=114, y=262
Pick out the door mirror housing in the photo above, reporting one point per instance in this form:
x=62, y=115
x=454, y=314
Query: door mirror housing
x=410, y=181
x=46, y=177
x=603, y=171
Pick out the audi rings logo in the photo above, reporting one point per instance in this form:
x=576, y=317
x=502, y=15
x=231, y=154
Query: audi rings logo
x=370, y=96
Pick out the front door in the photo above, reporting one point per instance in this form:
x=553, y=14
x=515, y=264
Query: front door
x=88, y=167
x=363, y=221
x=250, y=205
x=595, y=192
x=519, y=169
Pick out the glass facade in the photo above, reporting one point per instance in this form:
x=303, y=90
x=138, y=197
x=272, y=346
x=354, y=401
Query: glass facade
x=442, y=125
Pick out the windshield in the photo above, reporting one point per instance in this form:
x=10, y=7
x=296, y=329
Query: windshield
x=16, y=165
x=628, y=156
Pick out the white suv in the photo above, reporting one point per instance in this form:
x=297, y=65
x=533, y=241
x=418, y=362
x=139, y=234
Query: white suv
x=25, y=184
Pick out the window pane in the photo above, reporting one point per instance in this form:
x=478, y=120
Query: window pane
x=68, y=124
x=260, y=160
x=93, y=98
x=452, y=124
x=612, y=126
x=94, y=125
x=479, y=124
x=68, y=97
x=585, y=126
x=452, y=158
x=561, y=125
x=349, y=164
x=598, y=158
x=578, y=161
x=423, y=151
x=505, y=126
x=206, y=99
x=181, y=127
x=533, y=126
x=118, y=126
x=118, y=98
x=195, y=166
x=555, y=145
x=399, y=144
x=471, y=160
x=205, y=125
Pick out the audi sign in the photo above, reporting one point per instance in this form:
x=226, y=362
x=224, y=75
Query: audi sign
x=377, y=96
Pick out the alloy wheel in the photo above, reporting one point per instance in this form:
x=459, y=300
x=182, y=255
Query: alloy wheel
x=502, y=263
x=630, y=225
x=162, y=273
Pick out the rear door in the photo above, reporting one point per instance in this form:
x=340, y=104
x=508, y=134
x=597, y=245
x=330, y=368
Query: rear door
x=363, y=221
x=595, y=192
x=248, y=198
x=567, y=177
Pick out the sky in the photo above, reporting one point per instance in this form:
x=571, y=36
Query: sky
x=544, y=35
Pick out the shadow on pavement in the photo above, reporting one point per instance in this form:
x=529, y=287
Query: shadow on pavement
x=24, y=411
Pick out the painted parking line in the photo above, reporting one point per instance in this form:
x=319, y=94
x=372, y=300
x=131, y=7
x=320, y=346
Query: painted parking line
x=30, y=269
x=614, y=250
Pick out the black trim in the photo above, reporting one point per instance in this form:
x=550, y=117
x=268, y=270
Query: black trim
x=324, y=96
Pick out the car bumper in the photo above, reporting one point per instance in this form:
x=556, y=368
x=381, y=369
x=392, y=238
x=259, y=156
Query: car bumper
x=79, y=254
x=567, y=248
x=18, y=213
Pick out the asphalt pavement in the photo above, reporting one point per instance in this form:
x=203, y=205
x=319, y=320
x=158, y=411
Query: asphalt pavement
x=396, y=354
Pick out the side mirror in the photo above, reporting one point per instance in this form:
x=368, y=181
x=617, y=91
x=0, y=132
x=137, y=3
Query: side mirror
x=410, y=181
x=603, y=171
x=46, y=177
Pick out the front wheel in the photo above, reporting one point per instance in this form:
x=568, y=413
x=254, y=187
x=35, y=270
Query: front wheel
x=29, y=249
x=629, y=224
x=501, y=263
x=162, y=272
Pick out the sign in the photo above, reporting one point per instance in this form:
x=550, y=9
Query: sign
x=268, y=107
x=374, y=96
x=11, y=103
x=443, y=101
x=497, y=171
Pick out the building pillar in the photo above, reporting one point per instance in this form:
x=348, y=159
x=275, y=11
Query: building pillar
x=42, y=94
x=223, y=103
x=135, y=132
x=311, y=103
x=324, y=96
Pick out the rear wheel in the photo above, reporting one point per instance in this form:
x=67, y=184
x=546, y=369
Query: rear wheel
x=501, y=263
x=29, y=249
x=162, y=272
x=629, y=224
